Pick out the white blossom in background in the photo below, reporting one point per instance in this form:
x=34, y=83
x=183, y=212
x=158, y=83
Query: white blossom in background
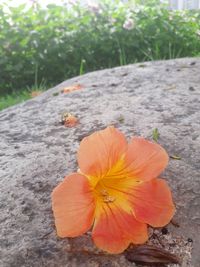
x=94, y=7
x=33, y=1
x=184, y=4
x=128, y=24
x=112, y=21
x=72, y=2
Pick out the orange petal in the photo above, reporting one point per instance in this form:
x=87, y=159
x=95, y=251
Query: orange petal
x=145, y=160
x=73, y=206
x=100, y=151
x=152, y=202
x=114, y=230
x=70, y=121
x=71, y=88
x=35, y=93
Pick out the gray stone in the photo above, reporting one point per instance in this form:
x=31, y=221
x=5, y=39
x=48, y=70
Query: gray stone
x=36, y=152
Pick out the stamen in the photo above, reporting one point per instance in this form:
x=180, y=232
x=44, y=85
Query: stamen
x=108, y=199
x=104, y=193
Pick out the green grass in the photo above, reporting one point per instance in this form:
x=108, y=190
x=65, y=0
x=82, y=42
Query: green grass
x=13, y=99
x=20, y=96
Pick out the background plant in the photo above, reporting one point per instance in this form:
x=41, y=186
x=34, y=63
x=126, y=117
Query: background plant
x=54, y=43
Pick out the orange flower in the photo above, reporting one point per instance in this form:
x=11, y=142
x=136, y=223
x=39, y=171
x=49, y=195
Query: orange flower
x=35, y=93
x=72, y=88
x=69, y=120
x=115, y=190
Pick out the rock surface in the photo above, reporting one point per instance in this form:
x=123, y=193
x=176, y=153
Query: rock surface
x=36, y=152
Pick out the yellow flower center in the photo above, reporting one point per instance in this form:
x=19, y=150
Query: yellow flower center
x=104, y=194
x=106, y=197
x=111, y=194
x=112, y=190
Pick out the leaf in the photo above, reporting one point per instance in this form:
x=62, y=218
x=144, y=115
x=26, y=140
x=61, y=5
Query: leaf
x=175, y=157
x=150, y=254
x=121, y=118
x=55, y=94
x=155, y=134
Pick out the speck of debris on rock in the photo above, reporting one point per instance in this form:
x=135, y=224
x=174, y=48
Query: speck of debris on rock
x=121, y=118
x=164, y=231
x=124, y=74
x=55, y=94
x=142, y=65
x=193, y=63
x=191, y=88
x=113, y=84
x=175, y=157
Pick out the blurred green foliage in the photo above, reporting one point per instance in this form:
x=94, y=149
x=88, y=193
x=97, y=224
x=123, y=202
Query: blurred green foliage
x=59, y=42
x=14, y=98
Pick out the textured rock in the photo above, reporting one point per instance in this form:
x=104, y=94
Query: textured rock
x=36, y=152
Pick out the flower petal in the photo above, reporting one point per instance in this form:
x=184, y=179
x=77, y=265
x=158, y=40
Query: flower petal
x=73, y=206
x=114, y=229
x=100, y=151
x=145, y=160
x=152, y=202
